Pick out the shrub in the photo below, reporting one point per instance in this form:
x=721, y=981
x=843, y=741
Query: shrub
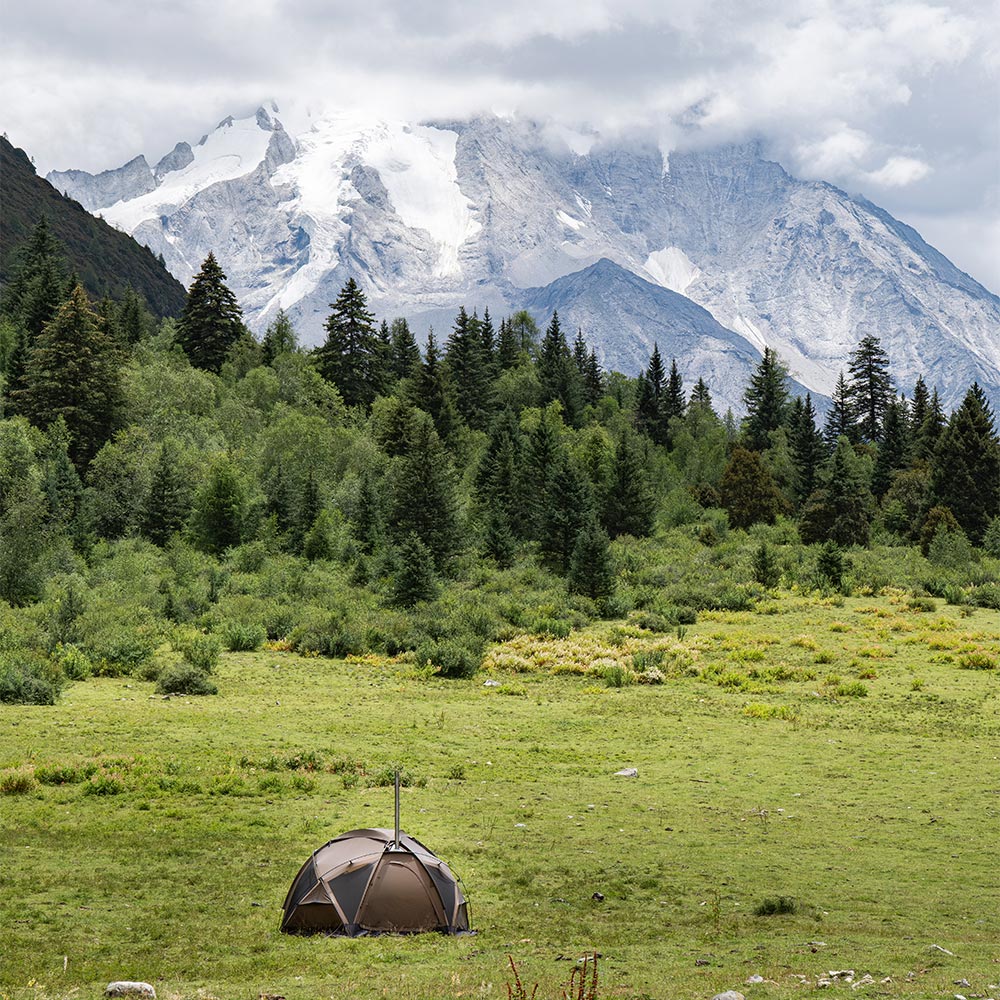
x=385, y=777
x=617, y=676
x=852, y=689
x=64, y=775
x=771, y=906
x=977, y=661
x=200, y=650
x=452, y=659
x=758, y=710
x=17, y=782
x=552, y=628
x=185, y=678
x=950, y=549
x=240, y=636
x=326, y=633
x=28, y=679
x=922, y=604
x=74, y=662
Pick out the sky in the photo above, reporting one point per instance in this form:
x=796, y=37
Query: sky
x=897, y=101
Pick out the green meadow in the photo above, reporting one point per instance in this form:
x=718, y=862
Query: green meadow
x=818, y=789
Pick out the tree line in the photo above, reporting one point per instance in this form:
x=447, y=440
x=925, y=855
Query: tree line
x=503, y=440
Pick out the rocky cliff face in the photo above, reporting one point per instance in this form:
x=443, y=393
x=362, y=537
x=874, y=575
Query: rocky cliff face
x=492, y=212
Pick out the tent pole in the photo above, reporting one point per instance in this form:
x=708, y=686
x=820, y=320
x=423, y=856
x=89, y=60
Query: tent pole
x=397, y=809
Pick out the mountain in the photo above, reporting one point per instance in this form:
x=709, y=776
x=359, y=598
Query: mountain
x=106, y=261
x=488, y=211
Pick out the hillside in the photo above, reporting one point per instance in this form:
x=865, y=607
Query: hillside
x=107, y=261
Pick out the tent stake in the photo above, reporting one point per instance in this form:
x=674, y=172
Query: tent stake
x=397, y=810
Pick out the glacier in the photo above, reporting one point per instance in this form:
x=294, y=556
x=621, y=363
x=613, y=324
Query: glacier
x=507, y=213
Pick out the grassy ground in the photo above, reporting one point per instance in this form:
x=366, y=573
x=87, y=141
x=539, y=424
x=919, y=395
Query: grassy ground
x=836, y=753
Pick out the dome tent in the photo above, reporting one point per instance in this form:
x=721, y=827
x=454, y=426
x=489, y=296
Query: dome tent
x=374, y=881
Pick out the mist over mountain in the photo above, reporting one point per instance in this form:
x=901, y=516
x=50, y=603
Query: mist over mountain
x=506, y=213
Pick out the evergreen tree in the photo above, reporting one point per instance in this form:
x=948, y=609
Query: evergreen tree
x=279, y=338
x=766, y=400
x=317, y=544
x=747, y=490
x=673, y=401
x=308, y=507
x=367, y=523
x=525, y=332
x=557, y=374
x=542, y=458
x=431, y=390
x=498, y=539
x=219, y=509
x=590, y=569
x=168, y=504
x=424, y=497
x=701, y=397
x=468, y=368
x=489, y=338
x=808, y=449
x=921, y=404
x=508, y=347
x=766, y=570
x=840, y=420
x=382, y=371
x=73, y=372
x=211, y=322
x=496, y=482
x=62, y=485
x=651, y=408
x=869, y=389
x=415, y=579
x=966, y=471
x=405, y=353
x=894, y=447
x=349, y=355
x=841, y=510
x=570, y=507
x=630, y=504
x=928, y=432
x=133, y=320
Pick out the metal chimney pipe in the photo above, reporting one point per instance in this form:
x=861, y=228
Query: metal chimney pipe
x=397, y=810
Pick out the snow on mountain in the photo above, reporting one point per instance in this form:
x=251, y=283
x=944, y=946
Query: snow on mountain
x=485, y=212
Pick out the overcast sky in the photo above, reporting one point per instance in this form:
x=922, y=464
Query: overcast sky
x=897, y=101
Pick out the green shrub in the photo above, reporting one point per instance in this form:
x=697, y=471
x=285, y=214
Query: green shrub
x=334, y=634
x=28, y=679
x=852, y=689
x=986, y=595
x=64, y=775
x=240, y=636
x=200, y=650
x=104, y=783
x=617, y=676
x=73, y=661
x=771, y=906
x=921, y=604
x=977, y=661
x=452, y=659
x=759, y=710
x=385, y=777
x=552, y=628
x=17, y=782
x=185, y=678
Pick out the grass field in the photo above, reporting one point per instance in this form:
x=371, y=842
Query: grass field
x=843, y=754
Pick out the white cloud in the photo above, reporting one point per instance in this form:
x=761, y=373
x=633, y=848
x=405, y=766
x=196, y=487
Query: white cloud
x=899, y=171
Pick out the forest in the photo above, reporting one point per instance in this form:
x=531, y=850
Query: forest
x=172, y=488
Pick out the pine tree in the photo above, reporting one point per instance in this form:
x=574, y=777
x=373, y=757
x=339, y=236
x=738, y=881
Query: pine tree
x=840, y=420
x=808, y=449
x=869, y=389
x=424, y=499
x=279, y=338
x=367, y=523
x=747, y=490
x=570, y=508
x=590, y=569
x=630, y=505
x=382, y=372
x=920, y=405
x=498, y=539
x=928, y=432
x=766, y=400
x=496, y=482
x=468, y=369
x=489, y=337
x=415, y=580
x=317, y=544
x=966, y=471
x=62, y=485
x=219, y=510
x=508, y=347
x=169, y=502
x=651, y=408
x=557, y=374
x=349, y=354
x=431, y=390
x=73, y=372
x=593, y=380
x=405, y=353
x=701, y=397
x=674, y=403
x=893, y=448
x=541, y=459
x=132, y=318
x=841, y=510
x=211, y=322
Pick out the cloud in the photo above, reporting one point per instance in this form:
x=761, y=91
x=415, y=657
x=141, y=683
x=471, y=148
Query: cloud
x=886, y=95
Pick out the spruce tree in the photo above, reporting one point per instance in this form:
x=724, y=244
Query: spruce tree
x=498, y=539
x=869, y=388
x=367, y=522
x=893, y=448
x=928, y=432
x=630, y=505
x=674, y=403
x=920, y=405
x=966, y=471
x=279, y=338
x=132, y=318
x=468, y=368
x=808, y=449
x=219, y=509
x=701, y=396
x=557, y=374
x=431, y=390
x=590, y=569
x=747, y=490
x=495, y=486
x=424, y=498
x=840, y=420
x=348, y=357
x=508, y=347
x=405, y=352
x=570, y=508
x=73, y=372
x=541, y=459
x=170, y=496
x=488, y=336
x=62, y=485
x=766, y=400
x=841, y=510
x=414, y=580
x=593, y=380
x=211, y=322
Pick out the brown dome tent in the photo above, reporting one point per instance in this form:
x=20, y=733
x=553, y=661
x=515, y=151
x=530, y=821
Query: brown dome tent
x=374, y=881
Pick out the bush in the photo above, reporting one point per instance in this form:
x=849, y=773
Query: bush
x=950, y=549
x=200, y=650
x=451, y=658
x=771, y=906
x=551, y=628
x=240, y=636
x=74, y=662
x=17, y=783
x=977, y=661
x=28, y=679
x=185, y=678
x=853, y=689
x=326, y=633
x=617, y=676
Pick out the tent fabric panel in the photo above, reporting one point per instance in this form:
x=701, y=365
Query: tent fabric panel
x=349, y=889
x=301, y=884
x=401, y=897
x=313, y=918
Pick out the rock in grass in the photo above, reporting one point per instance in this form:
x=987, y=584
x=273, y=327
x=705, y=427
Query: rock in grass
x=627, y=772
x=729, y=995
x=125, y=988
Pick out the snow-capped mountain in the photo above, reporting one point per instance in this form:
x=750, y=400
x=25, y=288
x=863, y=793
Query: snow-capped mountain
x=499, y=212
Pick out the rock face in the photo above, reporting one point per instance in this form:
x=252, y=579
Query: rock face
x=127, y=988
x=507, y=214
